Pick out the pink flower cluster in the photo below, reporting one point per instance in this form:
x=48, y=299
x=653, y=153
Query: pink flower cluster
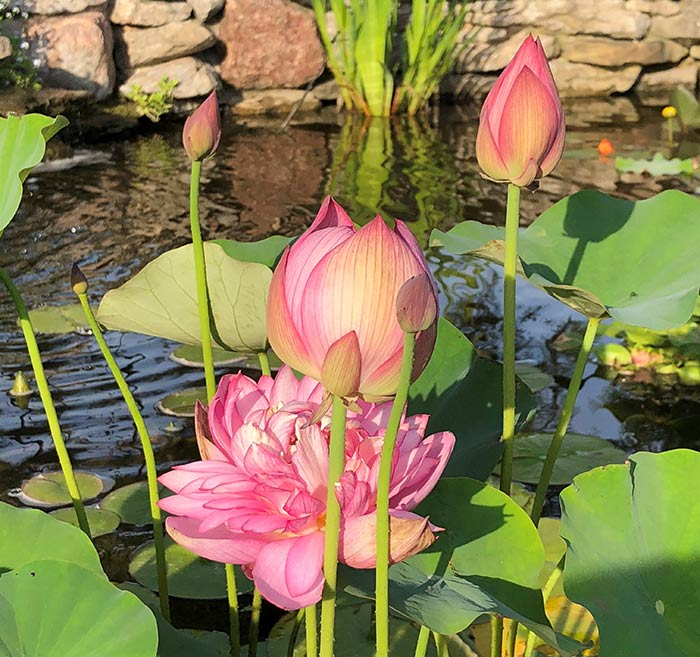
x=259, y=496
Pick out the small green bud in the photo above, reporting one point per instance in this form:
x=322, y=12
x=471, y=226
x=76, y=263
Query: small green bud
x=20, y=388
x=77, y=280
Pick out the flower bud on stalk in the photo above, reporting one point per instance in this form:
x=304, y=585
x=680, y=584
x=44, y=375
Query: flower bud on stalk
x=77, y=280
x=416, y=305
x=202, y=130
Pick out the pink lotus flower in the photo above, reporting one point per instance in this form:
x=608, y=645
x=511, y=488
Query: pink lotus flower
x=337, y=280
x=202, y=130
x=521, y=126
x=259, y=497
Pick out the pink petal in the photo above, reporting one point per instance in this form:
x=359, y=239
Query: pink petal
x=285, y=387
x=487, y=152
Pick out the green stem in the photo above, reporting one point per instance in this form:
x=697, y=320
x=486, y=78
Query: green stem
x=336, y=463
x=264, y=363
x=311, y=631
x=511, y=632
x=546, y=592
x=496, y=636
x=201, y=276
x=234, y=620
x=440, y=645
x=301, y=614
x=422, y=643
x=149, y=458
x=564, y=419
x=47, y=401
x=509, y=272
x=670, y=134
x=254, y=629
x=383, y=485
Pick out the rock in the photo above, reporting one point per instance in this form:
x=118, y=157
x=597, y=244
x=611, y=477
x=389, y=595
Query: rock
x=695, y=52
x=73, y=52
x=269, y=43
x=275, y=101
x=479, y=34
x=684, y=25
x=196, y=78
x=148, y=13
x=657, y=7
x=575, y=79
x=489, y=58
x=654, y=87
x=467, y=85
x=612, y=110
x=613, y=52
x=205, y=9
x=136, y=46
x=328, y=91
x=52, y=7
x=5, y=47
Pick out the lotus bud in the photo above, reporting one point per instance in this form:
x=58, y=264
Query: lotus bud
x=202, y=130
x=340, y=373
x=416, y=304
x=21, y=387
x=77, y=280
x=521, y=126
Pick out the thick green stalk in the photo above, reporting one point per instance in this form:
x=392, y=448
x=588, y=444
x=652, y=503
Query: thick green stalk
x=440, y=645
x=383, y=484
x=422, y=643
x=254, y=630
x=233, y=615
x=200, y=271
x=47, y=401
x=311, y=631
x=149, y=458
x=546, y=592
x=509, y=272
x=336, y=462
x=564, y=419
x=496, y=636
x=511, y=627
x=264, y=363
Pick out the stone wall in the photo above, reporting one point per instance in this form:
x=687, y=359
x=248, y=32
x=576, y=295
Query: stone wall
x=596, y=47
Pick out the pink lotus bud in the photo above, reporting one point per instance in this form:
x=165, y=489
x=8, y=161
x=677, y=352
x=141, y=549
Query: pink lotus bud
x=202, y=130
x=416, y=305
x=521, y=126
x=340, y=373
x=337, y=279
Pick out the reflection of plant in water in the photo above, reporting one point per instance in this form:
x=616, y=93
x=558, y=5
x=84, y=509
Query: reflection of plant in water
x=155, y=104
x=154, y=152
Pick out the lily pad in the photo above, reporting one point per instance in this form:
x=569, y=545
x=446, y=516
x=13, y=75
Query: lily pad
x=181, y=403
x=189, y=576
x=586, y=249
x=131, y=502
x=578, y=454
x=266, y=252
x=49, y=489
x=101, y=521
x=55, y=608
x=22, y=146
x=161, y=300
x=191, y=356
x=657, y=166
x=57, y=320
x=533, y=377
x=633, y=552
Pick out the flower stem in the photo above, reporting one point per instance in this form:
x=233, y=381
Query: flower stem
x=254, y=629
x=336, y=462
x=383, y=485
x=311, y=637
x=564, y=419
x=440, y=645
x=201, y=276
x=509, y=272
x=496, y=636
x=422, y=643
x=546, y=592
x=234, y=620
x=264, y=363
x=301, y=614
x=149, y=458
x=47, y=401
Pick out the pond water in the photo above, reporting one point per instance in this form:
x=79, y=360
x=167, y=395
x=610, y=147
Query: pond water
x=125, y=202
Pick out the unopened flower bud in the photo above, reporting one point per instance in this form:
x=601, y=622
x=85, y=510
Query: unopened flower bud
x=342, y=366
x=21, y=387
x=77, y=280
x=202, y=130
x=416, y=304
x=669, y=112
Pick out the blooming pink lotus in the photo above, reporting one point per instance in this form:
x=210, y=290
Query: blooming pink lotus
x=336, y=281
x=521, y=126
x=259, y=496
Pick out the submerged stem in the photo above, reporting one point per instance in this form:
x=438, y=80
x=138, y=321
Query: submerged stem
x=47, y=401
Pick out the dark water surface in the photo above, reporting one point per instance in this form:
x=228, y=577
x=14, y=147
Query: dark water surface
x=127, y=203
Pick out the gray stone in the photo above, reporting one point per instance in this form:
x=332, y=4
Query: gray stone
x=328, y=90
x=656, y=7
x=195, y=78
x=575, y=79
x=695, y=52
x=656, y=85
x=138, y=47
x=464, y=86
x=275, y=101
x=206, y=9
x=614, y=52
x=5, y=47
x=52, y=7
x=684, y=25
x=148, y=13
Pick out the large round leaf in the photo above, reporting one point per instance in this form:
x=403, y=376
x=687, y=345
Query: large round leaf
x=28, y=534
x=633, y=553
x=54, y=608
x=22, y=146
x=100, y=521
x=161, y=300
x=267, y=252
x=462, y=393
x=636, y=261
x=132, y=503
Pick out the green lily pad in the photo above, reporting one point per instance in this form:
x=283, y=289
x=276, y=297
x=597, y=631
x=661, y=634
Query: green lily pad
x=265, y=252
x=131, y=502
x=191, y=356
x=578, y=454
x=56, y=320
x=181, y=403
x=586, y=249
x=533, y=377
x=657, y=166
x=189, y=576
x=633, y=552
x=29, y=534
x=101, y=521
x=49, y=489
x=161, y=300
x=55, y=608
x=22, y=146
